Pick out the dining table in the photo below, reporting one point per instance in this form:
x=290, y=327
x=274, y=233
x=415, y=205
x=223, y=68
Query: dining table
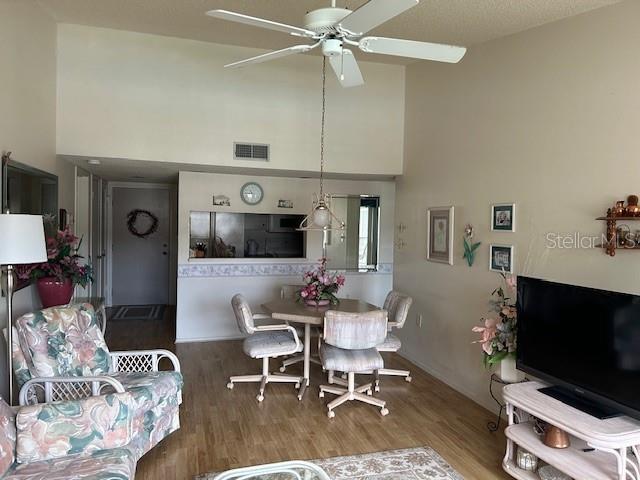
x=293, y=311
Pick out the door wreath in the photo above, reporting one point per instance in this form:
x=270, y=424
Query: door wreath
x=132, y=218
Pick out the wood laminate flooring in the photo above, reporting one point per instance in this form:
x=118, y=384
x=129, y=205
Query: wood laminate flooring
x=222, y=429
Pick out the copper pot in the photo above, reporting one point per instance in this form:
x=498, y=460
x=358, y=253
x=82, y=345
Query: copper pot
x=556, y=438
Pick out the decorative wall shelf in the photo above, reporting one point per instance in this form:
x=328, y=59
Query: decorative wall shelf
x=599, y=448
x=613, y=242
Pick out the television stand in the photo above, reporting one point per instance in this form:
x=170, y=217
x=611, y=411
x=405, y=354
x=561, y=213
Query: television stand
x=583, y=404
x=600, y=449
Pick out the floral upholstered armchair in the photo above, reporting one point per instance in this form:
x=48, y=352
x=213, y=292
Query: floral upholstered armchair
x=60, y=354
x=88, y=439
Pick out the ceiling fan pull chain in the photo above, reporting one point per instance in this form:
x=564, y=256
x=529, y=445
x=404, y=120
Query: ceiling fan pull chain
x=342, y=66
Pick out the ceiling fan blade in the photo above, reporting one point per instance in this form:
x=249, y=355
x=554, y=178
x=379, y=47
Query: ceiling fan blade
x=374, y=13
x=408, y=48
x=265, y=57
x=346, y=68
x=260, y=22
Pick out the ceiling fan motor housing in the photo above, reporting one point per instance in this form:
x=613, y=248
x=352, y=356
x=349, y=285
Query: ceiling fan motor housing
x=332, y=47
x=324, y=20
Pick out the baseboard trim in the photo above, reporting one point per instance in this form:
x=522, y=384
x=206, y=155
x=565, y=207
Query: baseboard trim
x=208, y=339
x=485, y=403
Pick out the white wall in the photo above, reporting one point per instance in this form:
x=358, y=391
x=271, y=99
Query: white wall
x=547, y=119
x=28, y=114
x=203, y=307
x=147, y=97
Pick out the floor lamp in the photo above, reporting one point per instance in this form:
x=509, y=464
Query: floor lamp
x=21, y=242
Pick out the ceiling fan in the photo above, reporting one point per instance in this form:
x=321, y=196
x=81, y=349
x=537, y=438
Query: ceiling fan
x=335, y=29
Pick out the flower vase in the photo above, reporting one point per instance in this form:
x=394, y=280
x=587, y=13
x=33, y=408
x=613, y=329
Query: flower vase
x=53, y=292
x=317, y=303
x=507, y=370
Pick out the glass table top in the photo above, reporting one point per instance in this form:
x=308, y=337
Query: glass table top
x=296, y=470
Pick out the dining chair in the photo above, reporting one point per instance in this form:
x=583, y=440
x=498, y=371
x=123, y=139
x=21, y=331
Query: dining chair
x=349, y=345
x=397, y=306
x=289, y=292
x=264, y=342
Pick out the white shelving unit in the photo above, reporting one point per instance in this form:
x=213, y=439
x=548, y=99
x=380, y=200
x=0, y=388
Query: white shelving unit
x=610, y=439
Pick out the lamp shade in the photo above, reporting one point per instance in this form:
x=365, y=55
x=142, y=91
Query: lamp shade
x=22, y=239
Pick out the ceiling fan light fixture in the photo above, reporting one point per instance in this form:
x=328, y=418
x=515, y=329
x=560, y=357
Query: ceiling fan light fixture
x=332, y=47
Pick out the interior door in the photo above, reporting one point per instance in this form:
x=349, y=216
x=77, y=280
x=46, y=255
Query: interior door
x=140, y=265
x=82, y=227
x=97, y=237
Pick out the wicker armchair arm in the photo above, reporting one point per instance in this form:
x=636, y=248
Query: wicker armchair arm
x=141, y=360
x=56, y=389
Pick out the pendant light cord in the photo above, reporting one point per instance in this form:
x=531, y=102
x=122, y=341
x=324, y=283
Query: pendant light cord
x=324, y=105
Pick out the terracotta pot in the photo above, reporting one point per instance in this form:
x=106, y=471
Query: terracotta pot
x=317, y=303
x=54, y=292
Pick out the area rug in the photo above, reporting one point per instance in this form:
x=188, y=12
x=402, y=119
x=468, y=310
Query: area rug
x=407, y=464
x=137, y=312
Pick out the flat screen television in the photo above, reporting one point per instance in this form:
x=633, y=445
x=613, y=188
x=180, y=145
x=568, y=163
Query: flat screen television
x=584, y=342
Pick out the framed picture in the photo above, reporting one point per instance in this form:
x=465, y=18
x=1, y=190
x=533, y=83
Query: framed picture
x=285, y=203
x=501, y=258
x=221, y=201
x=503, y=217
x=440, y=234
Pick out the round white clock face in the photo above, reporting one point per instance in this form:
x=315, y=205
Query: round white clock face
x=251, y=193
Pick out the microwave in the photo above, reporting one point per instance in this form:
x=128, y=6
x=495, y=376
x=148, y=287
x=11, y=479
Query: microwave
x=284, y=223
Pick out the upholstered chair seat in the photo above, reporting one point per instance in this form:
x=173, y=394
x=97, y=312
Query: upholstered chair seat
x=390, y=344
x=264, y=342
x=340, y=360
x=269, y=344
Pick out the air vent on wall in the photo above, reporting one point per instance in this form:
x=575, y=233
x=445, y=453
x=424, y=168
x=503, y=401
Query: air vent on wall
x=251, y=151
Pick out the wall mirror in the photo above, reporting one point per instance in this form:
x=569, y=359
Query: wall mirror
x=245, y=235
x=24, y=189
x=356, y=247
x=28, y=190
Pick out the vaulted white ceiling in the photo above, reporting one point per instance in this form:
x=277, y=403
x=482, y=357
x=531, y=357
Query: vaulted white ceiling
x=460, y=22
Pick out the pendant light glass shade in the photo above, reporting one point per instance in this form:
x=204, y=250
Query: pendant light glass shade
x=321, y=216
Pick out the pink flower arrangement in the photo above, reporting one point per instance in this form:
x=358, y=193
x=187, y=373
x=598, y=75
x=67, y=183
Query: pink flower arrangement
x=321, y=285
x=498, y=332
x=63, y=261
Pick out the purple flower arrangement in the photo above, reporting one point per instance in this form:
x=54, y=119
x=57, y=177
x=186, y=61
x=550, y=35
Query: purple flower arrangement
x=63, y=261
x=320, y=286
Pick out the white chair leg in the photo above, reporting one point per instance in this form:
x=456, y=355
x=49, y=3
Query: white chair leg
x=291, y=361
x=245, y=378
x=334, y=390
x=345, y=397
x=390, y=371
x=352, y=393
x=264, y=379
x=299, y=359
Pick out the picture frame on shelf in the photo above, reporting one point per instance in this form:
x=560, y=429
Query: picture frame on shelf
x=440, y=232
x=501, y=258
x=503, y=217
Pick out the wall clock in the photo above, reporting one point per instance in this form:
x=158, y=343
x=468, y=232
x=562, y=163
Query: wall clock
x=251, y=193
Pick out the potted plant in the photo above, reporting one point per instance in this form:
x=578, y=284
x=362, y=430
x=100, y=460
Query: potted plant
x=57, y=277
x=498, y=331
x=320, y=287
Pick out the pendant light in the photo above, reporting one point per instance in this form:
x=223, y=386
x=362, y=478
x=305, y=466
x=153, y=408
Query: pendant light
x=321, y=217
